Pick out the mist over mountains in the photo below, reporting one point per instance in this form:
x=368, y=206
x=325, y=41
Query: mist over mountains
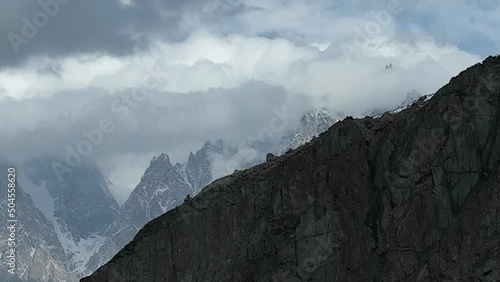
x=410, y=195
x=117, y=114
x=79, y=224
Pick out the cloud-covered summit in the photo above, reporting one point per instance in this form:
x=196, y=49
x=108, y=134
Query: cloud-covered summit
x=60, y=28
x=166, y=76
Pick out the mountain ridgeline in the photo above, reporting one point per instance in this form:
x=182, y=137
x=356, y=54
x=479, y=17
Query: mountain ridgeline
x=162, y=187
x=69, y=227
x=412, y=195
x=165, y=186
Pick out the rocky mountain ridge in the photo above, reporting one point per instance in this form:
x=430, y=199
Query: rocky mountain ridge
x=63, y=220
x=412, y=195
x=164, y=186
x=73, y=225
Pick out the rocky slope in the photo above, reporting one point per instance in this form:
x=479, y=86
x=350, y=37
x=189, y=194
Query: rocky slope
x=410, y=196
x=39, y=254
x=164, y=185
x=82, y=201
x=312, y=123
x=73, y=225
x=61, y=221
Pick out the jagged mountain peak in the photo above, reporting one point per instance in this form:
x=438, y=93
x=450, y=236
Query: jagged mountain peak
x=411, y=97
x=73, y=193
x=312, y=123
x=63, y=218
x=162, y=188
x=319, y=119
x=414, y=193
x=161, y=159
x=210, y=146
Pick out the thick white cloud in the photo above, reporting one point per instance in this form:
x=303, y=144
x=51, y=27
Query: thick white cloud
x=231, y=64
x=204, y=61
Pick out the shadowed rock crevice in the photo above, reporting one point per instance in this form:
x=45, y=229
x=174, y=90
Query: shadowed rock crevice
x=412, y=196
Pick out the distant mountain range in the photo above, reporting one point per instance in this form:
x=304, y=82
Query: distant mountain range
x=410, y=195
x=71, y=227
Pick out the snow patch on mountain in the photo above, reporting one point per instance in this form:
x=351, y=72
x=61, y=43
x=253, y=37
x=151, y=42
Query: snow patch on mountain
x=39, y=194
x=411, y=97
x=78, y=250
x=312, y=123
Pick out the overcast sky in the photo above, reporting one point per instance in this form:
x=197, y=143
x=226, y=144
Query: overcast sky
x=216, y=69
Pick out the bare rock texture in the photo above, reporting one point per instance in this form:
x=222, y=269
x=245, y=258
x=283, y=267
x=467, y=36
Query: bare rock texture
x=412, y=196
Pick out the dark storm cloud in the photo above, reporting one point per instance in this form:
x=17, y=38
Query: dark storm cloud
x=65, y=27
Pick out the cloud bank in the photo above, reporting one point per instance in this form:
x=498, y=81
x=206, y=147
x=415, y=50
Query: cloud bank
x=168, y=75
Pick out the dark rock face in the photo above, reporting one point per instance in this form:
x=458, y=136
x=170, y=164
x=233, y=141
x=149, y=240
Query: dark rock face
x=270, y=157
x=412, y=196
x=312, y=123
x=163, y=187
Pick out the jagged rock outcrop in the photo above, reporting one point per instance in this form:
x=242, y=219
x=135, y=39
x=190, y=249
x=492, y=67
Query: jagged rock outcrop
x=60, y=220
x=82, y=201
x=312, y=123
x=163, y=187
x=39, y=254
x=412, y=196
